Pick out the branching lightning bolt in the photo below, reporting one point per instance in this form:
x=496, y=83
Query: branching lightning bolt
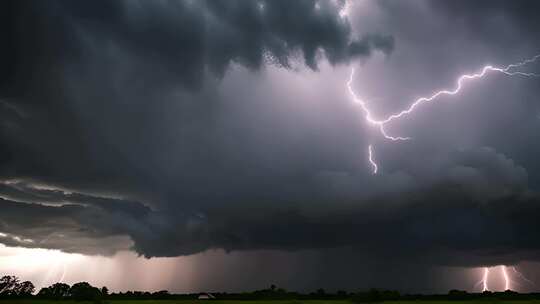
x=461, y=80
x=521, y=276
x=485, y=277
x=369, y=118
x=380, y=123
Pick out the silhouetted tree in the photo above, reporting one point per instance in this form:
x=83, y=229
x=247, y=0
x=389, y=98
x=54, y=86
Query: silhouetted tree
x=11, y=288
x=84, y=292
x=55, y=291
x=45, y=293
x=24, y=289
x=8, y=286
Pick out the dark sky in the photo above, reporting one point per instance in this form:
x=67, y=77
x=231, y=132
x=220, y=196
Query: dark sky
x=221, y=134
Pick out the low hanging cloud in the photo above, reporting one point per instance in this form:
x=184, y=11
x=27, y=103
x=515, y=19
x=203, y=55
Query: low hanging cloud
x=103, y=82
x=116, y=135
x=477, y=202
x=81, y=90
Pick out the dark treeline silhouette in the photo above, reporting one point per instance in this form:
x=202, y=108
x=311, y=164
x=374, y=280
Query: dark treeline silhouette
x=12, y=288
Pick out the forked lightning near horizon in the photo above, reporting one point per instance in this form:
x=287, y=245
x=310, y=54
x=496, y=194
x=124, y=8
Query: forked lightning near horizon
x=380, y=123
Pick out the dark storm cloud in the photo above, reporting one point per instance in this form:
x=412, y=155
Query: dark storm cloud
x=114, y=135
x=93, y=78
x=174, y=41
x=84, y=87
x=71, y=228
x=478, y=205
x=477, y=211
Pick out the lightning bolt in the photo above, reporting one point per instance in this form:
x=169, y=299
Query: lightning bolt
x=484, y=280
x=505, y=277
x=63, y=276
x=379, y=123
x=460, y=82
x=373, y=163
x=521, y=276
x=485, y=277
x=56, y=265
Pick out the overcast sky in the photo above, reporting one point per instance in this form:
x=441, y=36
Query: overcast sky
x=213, y=145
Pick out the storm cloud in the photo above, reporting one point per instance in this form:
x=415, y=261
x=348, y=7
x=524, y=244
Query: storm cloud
x=173, y=127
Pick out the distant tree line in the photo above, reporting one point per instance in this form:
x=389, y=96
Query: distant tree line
x=80, y=291
x=11, y=287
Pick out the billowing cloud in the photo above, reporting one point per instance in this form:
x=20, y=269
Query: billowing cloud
x=171, y=128
x=173, y=42
x=82, y=95
x=476, y=201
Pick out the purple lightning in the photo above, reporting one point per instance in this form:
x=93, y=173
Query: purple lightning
x=369, y=119
x=485, y=279
x=506, y=278
x=373, y=163
x=380, y=123
x=521, y=276
x=505, y=275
